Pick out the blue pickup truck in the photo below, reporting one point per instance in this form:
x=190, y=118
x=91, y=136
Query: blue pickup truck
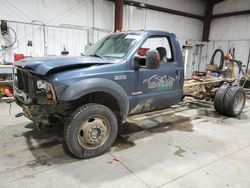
x=124, y=73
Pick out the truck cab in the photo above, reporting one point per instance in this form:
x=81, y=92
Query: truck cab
x=154, y=88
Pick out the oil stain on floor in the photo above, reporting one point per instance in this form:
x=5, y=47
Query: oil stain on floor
x=179, y=152
x=149, y=126
x=49, y=150
x=122, y=143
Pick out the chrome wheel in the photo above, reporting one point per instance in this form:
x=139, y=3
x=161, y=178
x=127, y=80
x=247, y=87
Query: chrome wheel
x=94, y=132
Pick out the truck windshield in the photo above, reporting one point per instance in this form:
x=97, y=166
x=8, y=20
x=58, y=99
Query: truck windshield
x=114, y=46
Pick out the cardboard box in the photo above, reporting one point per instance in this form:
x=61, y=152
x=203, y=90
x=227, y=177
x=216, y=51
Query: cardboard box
x=211, y=67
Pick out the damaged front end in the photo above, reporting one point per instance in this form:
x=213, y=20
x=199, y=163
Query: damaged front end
x=36, y=97
x=30, y=89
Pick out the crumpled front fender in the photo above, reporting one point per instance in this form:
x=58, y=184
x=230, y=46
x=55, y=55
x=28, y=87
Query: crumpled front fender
x=86, y=86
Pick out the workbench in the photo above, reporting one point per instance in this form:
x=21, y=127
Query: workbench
x=9, y=71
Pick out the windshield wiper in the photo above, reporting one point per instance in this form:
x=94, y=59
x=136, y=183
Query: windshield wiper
x=96, y=55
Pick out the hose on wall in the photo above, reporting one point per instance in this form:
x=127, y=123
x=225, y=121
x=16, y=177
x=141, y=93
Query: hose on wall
x=221, y=58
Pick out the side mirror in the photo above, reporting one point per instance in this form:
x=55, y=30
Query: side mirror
x=137, y=63
x=152, y=59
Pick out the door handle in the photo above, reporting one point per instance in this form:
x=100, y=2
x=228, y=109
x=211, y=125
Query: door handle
x=177, y=74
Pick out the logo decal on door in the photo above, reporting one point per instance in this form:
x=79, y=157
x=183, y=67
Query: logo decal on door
x=162, y=83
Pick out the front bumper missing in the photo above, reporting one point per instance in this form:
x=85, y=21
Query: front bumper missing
x=36, y=114
x=22, y=97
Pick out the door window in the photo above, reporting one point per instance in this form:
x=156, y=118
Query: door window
x=159, y=43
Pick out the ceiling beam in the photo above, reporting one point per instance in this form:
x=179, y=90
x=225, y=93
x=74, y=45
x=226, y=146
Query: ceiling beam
x=214, y=1
x=231, y=14
x=161, y=9
x=217, y=1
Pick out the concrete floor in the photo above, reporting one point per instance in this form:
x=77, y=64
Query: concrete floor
x=188, y=145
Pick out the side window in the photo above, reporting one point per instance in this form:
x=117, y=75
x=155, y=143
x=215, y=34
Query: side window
x=159, y=43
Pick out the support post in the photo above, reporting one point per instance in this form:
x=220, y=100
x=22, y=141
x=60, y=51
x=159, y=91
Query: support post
x=207, y=20
x=118, y=14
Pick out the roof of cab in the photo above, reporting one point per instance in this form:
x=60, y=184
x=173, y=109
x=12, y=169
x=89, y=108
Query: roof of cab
x=146, y=32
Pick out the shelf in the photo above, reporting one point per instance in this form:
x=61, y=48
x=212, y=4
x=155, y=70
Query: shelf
x=6, y=82
x=7, y=69
x=7, y=66
x=4, y=99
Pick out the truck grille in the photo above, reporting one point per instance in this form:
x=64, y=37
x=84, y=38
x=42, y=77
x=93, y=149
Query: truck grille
x=26, y=82
x=23, y=81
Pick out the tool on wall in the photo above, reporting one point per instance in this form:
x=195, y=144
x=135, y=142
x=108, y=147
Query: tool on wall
x=4, y=27
x=5, y=31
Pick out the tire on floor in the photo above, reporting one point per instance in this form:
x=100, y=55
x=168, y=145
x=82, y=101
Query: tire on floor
x=234, y=101
x=219, y=97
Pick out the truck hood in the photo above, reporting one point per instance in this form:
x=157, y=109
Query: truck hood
x=46, y=65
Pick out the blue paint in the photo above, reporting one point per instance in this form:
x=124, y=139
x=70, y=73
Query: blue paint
x=73, y=77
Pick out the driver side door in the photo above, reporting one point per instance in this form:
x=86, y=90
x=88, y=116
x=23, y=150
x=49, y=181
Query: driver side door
x=155, y=89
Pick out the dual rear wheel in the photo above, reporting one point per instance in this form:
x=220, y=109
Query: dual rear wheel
x=229, y=100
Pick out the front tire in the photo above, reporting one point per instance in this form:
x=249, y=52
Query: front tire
x=90, y=131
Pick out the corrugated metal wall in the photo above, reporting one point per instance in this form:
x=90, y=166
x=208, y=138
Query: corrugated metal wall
x=75, y=23
x=48, y=39
x=53, y=25
x=230, y=32
x=185, y=28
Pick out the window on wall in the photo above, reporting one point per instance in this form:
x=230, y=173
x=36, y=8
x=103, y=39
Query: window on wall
x=162, y=45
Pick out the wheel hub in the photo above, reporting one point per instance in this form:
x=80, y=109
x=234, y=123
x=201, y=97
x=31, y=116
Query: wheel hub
x=93, y=133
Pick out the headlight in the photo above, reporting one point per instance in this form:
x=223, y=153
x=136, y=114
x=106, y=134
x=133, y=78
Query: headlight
x=47, y=87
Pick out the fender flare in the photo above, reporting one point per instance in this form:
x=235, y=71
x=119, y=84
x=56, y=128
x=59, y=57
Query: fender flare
x=87, y=86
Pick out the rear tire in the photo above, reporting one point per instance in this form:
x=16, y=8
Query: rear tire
x=90, y=131
x=219, y=98
x=234, y=101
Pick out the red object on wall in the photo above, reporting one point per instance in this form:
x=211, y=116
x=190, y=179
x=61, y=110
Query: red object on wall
x=8, y=91
x=18, y=57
